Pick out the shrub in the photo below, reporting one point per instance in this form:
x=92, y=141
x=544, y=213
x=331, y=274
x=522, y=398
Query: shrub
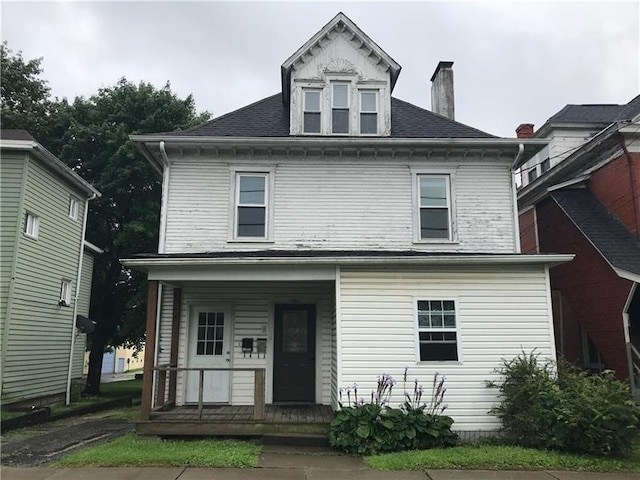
x=367, y=428
x=572, y=410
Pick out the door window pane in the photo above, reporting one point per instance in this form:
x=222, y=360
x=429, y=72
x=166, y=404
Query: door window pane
x=210, y=339
x=294, y=332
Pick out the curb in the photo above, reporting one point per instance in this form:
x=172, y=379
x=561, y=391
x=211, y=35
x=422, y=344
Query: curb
x=44, y=415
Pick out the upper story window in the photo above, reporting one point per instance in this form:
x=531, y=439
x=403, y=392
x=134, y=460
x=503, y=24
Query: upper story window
x=31, y=225
x=532, y=174
x=368, y=112
x=312, y=113
x=340, y=108
x=545, y=165
x=252, y=205
x=434, y=207
x=74, y=205
x=65, y=293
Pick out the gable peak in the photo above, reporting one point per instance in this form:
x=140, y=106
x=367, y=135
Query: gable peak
x=341, y=24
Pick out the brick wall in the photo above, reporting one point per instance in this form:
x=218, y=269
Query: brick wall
x=592, y=294
x=615, y=185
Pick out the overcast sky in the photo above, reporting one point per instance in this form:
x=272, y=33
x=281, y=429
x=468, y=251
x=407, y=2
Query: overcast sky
x=513, y=63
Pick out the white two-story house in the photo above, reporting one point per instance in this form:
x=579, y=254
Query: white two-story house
x=325, y=235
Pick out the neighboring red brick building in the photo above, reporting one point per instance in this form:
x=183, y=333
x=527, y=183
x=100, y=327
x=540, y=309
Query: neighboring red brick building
x=585, y=200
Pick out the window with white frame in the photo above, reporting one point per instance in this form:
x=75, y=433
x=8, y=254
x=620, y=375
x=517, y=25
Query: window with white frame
x=73, y=208
x=434, y=207
x=437, y=330
x=312, y=112
x=31, y=225
x=340, y=108
x=368, y=112
x=65, y=293
x=251, y=211
x=533, y=174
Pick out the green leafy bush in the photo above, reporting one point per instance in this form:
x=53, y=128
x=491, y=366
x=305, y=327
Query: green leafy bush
x=569, y=410
x=367, y=428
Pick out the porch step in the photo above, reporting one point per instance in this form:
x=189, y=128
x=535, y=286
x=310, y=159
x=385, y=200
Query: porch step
x=296, y=440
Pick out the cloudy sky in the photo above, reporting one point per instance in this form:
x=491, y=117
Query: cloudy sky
x=513, y=63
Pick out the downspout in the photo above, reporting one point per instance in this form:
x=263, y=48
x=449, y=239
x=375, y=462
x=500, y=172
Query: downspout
x=514, y=199
x=161, y=244
x=75, y=300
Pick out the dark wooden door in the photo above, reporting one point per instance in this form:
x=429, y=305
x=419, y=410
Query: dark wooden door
x=294, y=356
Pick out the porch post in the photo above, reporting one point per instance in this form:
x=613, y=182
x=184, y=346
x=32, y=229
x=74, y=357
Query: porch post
x=149, y=350
x=173, y=356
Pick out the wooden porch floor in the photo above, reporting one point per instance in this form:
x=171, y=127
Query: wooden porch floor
x=238, y=420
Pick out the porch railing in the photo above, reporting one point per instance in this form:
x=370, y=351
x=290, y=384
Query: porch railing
x=162, y=398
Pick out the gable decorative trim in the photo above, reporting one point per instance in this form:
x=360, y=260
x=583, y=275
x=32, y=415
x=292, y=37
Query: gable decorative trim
x=340, y=65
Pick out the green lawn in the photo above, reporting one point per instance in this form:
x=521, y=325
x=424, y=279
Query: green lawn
x=130, y=388
x=130, y=451
x=500, y=457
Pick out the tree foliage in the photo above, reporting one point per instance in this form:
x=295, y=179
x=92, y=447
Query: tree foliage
x=24, y=95
x=91, y=135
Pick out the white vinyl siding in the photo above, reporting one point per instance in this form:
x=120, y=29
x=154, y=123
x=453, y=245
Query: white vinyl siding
x=501, y=312
x=252, y=317
x=337, y=203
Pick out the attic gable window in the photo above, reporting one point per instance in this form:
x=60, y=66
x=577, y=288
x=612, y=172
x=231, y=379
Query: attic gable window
x=368, y=112
x=312, y=112
x=340, y=108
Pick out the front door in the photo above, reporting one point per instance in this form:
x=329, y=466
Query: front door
x=294, y=356
x=209, y=347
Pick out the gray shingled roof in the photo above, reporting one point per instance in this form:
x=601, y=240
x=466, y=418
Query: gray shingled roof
x=601, y=113
x=609, y=236
x=16, y=135
x=269, y=117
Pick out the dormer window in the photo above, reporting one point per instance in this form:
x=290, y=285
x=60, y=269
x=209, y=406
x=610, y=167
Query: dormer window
x=369, y=112
x=312, y=113
x=340, y=108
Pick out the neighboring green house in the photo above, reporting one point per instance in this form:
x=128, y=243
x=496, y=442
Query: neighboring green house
x=43, y=258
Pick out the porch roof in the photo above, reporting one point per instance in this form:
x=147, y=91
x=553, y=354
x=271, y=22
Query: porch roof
x=337, y=257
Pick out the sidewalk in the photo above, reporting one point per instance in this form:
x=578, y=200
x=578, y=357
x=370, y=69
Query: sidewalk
x=287, y=463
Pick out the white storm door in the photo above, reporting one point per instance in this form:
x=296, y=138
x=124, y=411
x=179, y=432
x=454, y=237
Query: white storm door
x=209, y=347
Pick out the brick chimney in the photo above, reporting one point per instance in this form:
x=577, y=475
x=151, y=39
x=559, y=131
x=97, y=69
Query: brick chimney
x=524, y=130
x=442, y=90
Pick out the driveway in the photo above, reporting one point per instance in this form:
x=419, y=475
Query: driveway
x=45, y=443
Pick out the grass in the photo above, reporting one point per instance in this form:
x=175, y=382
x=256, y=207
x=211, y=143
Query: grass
x=130, y=388
x=132, y=451
x=501, y=457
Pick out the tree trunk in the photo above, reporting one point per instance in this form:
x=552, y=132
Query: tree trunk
x=105, y=314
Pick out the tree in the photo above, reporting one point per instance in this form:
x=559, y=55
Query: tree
x=92, y=137
x=24, y=96
x=125, y=220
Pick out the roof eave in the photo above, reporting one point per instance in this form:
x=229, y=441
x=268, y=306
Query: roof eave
x=503, y=259
x=53, y=162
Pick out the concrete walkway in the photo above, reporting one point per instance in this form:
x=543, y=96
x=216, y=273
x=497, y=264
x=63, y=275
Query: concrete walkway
x=286, y=463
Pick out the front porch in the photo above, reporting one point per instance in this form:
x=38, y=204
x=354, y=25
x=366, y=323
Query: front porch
x=239, y=420
x=239, y=358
